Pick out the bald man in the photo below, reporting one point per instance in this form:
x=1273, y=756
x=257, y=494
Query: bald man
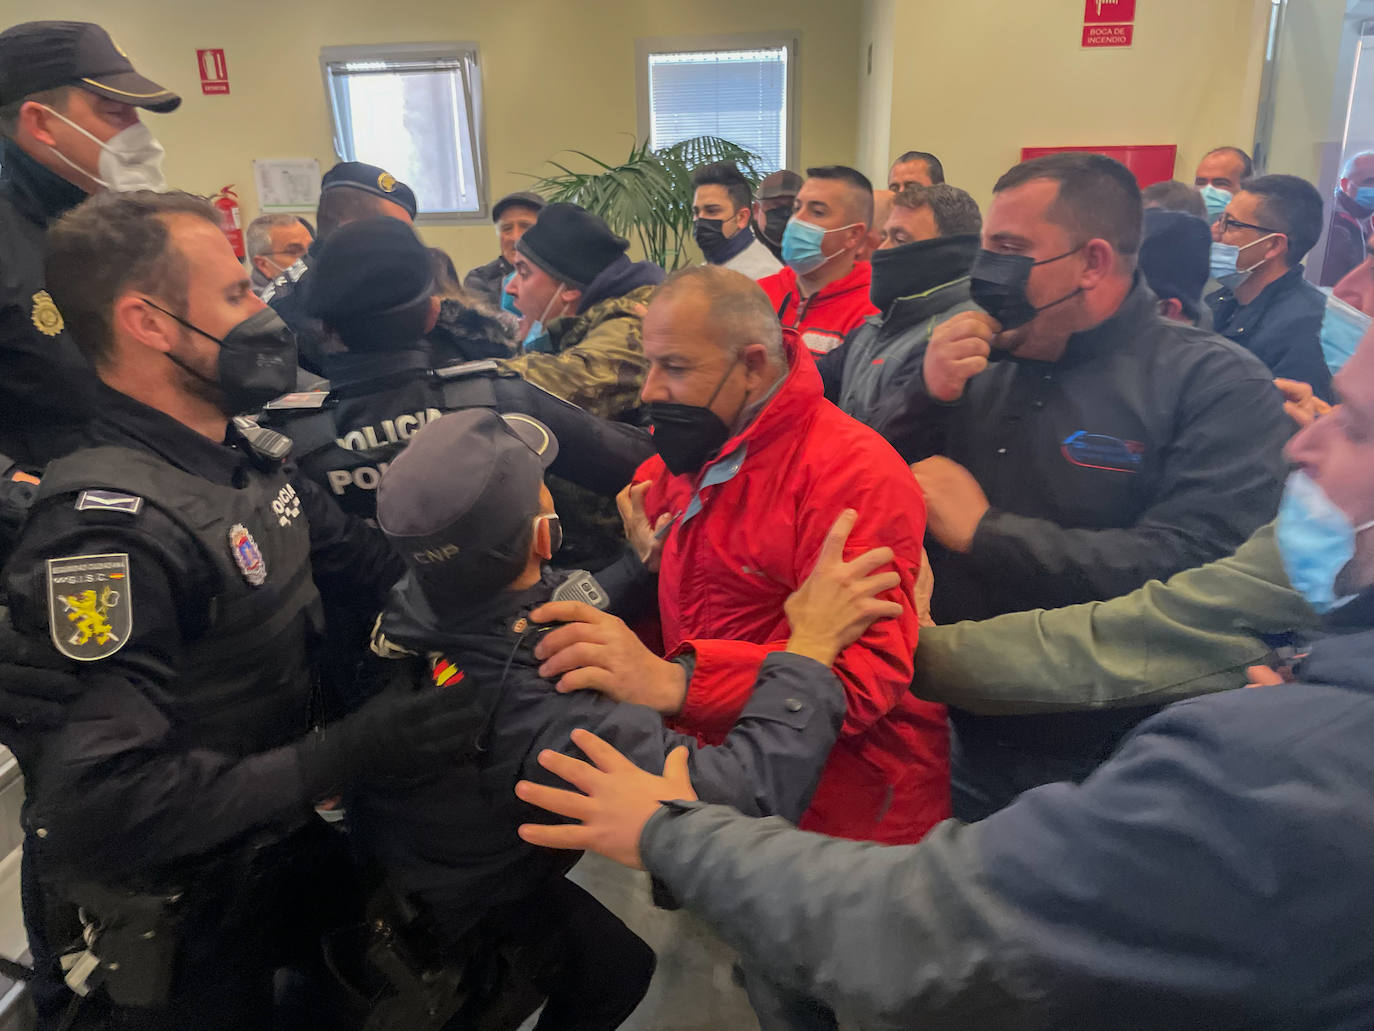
x=735, y=406
x=1352, y=219
x=823, y=292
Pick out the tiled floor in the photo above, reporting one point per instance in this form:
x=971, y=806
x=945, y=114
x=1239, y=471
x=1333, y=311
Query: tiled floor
x=693, y=987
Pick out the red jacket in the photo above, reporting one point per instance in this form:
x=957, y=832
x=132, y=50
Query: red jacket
x=728, y=566
x=826, y=317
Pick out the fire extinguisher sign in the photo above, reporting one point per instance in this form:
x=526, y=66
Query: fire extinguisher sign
x=214, y=73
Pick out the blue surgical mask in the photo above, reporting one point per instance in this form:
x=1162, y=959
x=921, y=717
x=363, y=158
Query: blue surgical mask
x=508, y=300
x=1364, y=197
x=801, y=245
x=1316, y=541
x=1343, y=325
x=1224, y=262
x=1216, y=200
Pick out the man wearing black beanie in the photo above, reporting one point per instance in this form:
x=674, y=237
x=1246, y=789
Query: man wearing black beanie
x=581, y=300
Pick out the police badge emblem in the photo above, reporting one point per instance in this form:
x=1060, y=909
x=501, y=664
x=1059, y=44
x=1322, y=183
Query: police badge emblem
x=46, y=318
x=387, y=182
x=247, y=555
x=90, y=613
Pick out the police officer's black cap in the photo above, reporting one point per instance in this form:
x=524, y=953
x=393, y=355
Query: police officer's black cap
x=459, y=501
x=355, y=175
x=43, y=55
x=1175, y=256
x=522, y=199
x=373, y=267
x=571, y=244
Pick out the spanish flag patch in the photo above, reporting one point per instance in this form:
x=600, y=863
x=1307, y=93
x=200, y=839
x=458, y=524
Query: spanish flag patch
x=445, y=672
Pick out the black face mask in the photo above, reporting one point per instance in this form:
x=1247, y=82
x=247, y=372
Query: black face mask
x=708, y=234
x=775, y=224
x=257, y=360
x=997, y=284
x=685, y=436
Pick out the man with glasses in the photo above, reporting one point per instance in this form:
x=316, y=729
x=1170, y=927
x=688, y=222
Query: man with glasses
x=275, y=243
x=1264, y=303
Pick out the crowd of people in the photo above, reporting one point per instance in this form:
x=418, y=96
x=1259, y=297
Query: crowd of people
x=881, y=585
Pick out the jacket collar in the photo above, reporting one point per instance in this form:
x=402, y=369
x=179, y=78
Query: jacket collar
x=733, y=247
x=40, y=195
x=944, y=266
x=123, y=422
x=410, y=622
x=369, y=368
x=1137, y=311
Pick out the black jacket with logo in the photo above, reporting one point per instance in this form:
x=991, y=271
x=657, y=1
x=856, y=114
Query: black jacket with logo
x=451, y=840
x=1150, y=447
x=175, y=751
x=46, y=386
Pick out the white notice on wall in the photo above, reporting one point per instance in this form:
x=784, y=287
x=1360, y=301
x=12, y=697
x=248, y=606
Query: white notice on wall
x=287, y=184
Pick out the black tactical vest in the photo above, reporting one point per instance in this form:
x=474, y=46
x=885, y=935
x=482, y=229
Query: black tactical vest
x=247, y=685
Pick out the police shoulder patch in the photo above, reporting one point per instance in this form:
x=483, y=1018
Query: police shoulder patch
x=90, y=609
x=46, y=318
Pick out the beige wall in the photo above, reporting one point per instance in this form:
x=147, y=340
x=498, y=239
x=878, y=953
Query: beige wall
x=556, y=74
x=1311, y=90
x=876, y=71
x=976, y=80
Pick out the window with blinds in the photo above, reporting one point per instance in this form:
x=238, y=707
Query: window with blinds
x=415, y=111
x=739, y=95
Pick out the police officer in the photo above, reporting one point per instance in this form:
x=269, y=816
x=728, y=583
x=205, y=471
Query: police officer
x=371, y=287
x=69, y=126
x=177, y=564
x=349, y=191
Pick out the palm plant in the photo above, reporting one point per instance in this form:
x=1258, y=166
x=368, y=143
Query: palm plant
x=648, y=196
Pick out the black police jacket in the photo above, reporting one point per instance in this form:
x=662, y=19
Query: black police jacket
x=345, y=437
x=46, y=386
x=178, y=571
x=1148, y=448
x=1282, y=327
x=451, y=841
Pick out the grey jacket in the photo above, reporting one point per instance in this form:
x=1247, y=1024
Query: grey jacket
x=1213, y=874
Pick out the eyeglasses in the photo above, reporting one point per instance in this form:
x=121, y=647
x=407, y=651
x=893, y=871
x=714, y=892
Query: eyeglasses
x=1228, y=223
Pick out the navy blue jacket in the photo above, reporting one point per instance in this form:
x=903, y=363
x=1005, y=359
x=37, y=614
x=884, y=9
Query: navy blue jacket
x=1214, y=874
x=1282, y=327
x=451, y=841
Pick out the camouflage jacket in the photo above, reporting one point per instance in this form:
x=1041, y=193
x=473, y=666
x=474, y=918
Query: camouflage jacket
x=595, y=358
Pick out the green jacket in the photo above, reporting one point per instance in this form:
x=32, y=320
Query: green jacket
x=596, y=359
x=1192, y=635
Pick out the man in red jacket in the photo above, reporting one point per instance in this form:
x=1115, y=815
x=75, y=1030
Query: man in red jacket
x=754, y=466
x=823, y=292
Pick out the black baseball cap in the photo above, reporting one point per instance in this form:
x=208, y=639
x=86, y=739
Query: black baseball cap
x=522, y=199
x=1175, y=256
x=458, y=501
x=43, y=55
x=358, y=175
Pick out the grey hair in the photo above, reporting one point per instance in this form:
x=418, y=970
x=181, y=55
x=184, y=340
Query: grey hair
x=736, y=306
x=258, y=239
x=1349, y=166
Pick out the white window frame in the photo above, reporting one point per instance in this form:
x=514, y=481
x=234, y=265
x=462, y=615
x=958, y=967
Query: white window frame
x=461, y=51
x=732, y=41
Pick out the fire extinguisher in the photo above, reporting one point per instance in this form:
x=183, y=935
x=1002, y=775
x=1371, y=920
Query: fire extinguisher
x=228, y=204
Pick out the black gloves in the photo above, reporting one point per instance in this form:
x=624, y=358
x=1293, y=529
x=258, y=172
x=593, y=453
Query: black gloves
x=35, y=682
x=396, y=734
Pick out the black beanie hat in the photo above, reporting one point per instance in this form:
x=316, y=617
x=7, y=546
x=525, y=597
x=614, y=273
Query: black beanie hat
x=571, y=244
x=369, y=276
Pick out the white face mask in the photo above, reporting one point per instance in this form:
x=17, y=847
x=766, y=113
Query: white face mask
x=130, y=160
